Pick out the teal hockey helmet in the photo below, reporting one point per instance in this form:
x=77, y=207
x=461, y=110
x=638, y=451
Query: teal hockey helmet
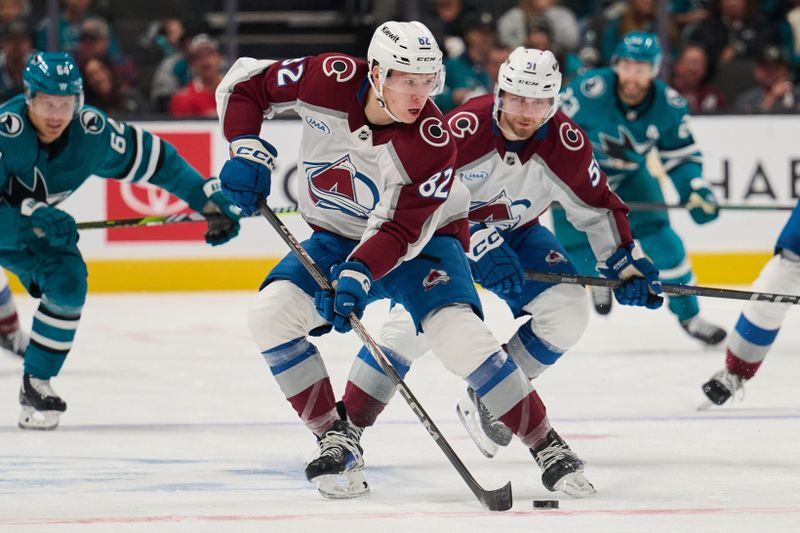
x=53, y=73
x=639, y=46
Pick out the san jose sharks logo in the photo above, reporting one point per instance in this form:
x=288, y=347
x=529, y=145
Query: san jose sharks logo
x=16, y=190
x=92, y=121
x=623, y=153
x=499, y=211
x=340, y=186
x=10, y=124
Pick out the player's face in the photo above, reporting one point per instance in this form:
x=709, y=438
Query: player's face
x=405, y=94
x=51, y=114
x=523, y=116
x=634, y=78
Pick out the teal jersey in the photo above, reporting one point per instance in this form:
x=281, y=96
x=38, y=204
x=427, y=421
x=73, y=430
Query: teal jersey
x=93, y=145
x=622, y=136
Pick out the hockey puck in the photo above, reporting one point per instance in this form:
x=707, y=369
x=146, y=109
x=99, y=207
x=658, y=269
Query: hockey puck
x=545, y=504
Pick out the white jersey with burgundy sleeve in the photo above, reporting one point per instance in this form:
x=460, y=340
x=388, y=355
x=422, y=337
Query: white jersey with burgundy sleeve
x=510, y=190
x=389, y=187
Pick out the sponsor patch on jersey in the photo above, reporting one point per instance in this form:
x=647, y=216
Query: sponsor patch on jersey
x=593, y=87
x=474, y=175
x=572, y=137
x=92, y=122
x=674, y=98
x=317, y=125
x=341, y=187
x=554, y=257
x=342, y=68
x=433, y=132
x=435, y=277
x=10, y=124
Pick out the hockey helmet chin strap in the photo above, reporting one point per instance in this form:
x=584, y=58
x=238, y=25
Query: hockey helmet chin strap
x=379, y=95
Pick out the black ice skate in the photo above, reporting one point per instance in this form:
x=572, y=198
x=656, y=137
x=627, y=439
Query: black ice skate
x=602, y=299
x=721, y=387
x=562, y=470
x=703, y=331
x=41, y=406
x=15, y=341
x=337, y=468
x=486, y=431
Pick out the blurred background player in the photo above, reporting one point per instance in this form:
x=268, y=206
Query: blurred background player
x=51, y=144
x=760, y=322
x=12, y=337
x=516, y=154
x=389, y=222
x=626, y=113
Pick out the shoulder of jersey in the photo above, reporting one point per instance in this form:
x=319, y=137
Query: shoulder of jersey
x=428, y=135
x=593, y=84
x=465, y=120
x=565, y=137
x=332, y=79
x=11, y=118
x=669, y=96
x=90, y=122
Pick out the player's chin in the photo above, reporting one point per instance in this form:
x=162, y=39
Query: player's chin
x=411, y=114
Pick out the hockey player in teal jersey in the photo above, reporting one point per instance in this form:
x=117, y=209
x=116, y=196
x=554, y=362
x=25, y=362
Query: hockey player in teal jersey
x=626, y=113
x=49, y=145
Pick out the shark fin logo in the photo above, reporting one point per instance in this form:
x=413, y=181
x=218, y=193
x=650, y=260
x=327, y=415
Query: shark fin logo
x=92, y=122
x=10, y=124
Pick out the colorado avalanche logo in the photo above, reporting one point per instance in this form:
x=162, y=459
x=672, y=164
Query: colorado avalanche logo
x=92, y=121
x=572, y=138
x=340, y=186
x=433, y=132
x=435, y=277
x=10, y=124
x=554, y=257
x=497, y=212
x=463, y=123
x=342, y=68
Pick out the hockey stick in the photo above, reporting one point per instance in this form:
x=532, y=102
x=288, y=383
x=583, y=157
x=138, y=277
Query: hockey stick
x=652, y=206
x=163, y=220
x=684, y=290
x=493, y=500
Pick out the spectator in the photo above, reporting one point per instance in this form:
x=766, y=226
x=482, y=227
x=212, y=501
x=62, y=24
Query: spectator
x=634, y=15
x=790, y=36
x=690, y=77
x=735, y=30
x=775, y=92
x=512, y=27
x=103, y=90
x=197, y=98
x=540, y=37
x=466, y=75
x=445, y=19
x=16, y=46
x=73, y=14
x=687, y=14
x=172, y=72
x=497, y=56
x=12, y=11
x=95, y=40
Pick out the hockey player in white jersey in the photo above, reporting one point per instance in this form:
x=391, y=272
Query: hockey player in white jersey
x=12, y=337
x=759, y=322
x=376, y=167
x=517, y=155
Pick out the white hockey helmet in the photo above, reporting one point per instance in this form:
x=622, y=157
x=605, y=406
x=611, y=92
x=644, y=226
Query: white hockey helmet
x=407, y=47
x=529, y=73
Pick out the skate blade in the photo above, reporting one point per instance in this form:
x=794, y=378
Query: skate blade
x=576, y=485
x=468, y=415
x=705, y=406
x=30, y=418
x=351, y=484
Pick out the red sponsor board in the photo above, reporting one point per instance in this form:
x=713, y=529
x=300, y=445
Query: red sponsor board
x=125, y=200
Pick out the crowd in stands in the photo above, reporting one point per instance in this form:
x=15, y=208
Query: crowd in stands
x=724, y=56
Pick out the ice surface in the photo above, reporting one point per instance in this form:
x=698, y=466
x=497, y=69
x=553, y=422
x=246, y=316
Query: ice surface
x=175, y=424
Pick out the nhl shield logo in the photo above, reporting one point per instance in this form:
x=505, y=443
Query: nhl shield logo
x=435, y=277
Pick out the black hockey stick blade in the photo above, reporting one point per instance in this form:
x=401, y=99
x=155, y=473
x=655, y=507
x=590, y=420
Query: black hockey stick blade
x=683, y=290
x=493, y=500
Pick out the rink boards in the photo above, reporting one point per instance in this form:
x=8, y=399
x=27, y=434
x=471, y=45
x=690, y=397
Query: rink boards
x=748, y=159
